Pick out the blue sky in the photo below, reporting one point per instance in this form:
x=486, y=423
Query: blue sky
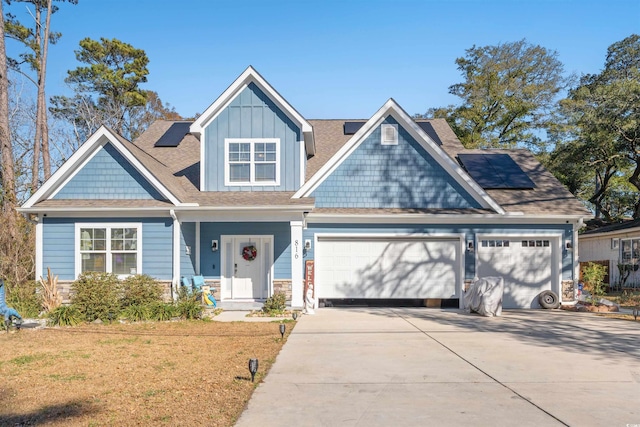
x=332, y=58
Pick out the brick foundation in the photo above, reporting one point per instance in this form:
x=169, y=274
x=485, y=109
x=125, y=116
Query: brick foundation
x=283, y=286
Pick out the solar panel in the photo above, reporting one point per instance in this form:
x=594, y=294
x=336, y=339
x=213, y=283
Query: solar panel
x=173, y=135
x=495, y=171
x=351, y=128
x=429, y=130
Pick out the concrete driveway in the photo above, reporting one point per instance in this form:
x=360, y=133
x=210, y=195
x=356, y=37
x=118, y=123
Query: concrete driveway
x=429, y=367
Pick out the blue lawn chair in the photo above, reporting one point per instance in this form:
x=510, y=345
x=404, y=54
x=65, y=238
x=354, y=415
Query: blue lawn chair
x=207, y=298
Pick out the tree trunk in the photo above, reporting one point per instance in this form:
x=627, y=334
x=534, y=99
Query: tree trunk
x=634, y=179
x=6, y=147
x=46, y=156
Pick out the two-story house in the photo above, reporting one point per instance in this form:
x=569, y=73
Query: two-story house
x=247, y=194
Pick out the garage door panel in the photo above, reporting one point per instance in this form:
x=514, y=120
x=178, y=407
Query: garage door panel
x=387, y=269
x=527, y=269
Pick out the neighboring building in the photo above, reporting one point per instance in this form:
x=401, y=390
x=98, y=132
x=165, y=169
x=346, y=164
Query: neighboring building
x=614, y=245
x=387, y=208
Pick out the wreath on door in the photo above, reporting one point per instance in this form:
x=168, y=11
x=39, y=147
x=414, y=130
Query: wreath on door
x=249, y=253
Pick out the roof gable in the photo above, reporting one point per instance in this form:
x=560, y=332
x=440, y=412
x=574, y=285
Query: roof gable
x=392, y=110
x=107, y=175
x=391, y=176
x=250, y=75
x=79, y=160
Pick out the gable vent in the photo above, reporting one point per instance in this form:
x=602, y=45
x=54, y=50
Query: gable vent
x=389, y=135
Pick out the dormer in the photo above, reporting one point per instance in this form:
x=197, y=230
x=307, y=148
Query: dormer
x=252, y=139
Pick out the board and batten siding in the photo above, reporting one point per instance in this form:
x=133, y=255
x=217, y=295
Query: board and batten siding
x=391, y=176
x=108, y=176
x=252, y=115
x=469, y=232
x=59, y=245
x=210, y=265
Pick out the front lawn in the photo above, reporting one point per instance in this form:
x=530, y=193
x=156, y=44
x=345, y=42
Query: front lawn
x=183, y=373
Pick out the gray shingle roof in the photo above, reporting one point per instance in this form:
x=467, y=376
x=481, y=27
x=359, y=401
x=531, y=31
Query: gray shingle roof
x=178, y=168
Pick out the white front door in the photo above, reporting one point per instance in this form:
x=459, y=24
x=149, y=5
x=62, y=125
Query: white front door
x=246, y=266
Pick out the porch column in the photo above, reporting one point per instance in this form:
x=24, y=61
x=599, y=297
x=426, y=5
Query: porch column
x=176, y=254
x=297, y=270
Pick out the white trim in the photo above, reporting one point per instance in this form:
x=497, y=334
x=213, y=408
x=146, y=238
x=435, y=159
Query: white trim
x=108, y=226
x=203, y=181
x=460, y=237
x=177, y=233
x=39, y=249
x=198, y=246
x=391, y=108
x=410, y=218
x=252, y=162
x=80, y=158
x=303, y=163
x=297, y=264
x=383, y=134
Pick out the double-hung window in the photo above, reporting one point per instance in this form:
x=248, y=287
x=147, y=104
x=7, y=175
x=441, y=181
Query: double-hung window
x=109, y=248
x=252, y=161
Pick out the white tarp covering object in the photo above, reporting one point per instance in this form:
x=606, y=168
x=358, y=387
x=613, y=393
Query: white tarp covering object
x=485, y=296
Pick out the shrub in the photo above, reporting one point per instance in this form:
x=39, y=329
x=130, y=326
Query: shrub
x=188, y=305
x=65, y=315
x=49, y=288
x=275, y=304
x=162, y=311
x=140, y=289
x=25, y=300
x=96, y=296
x=593, y=276
x=137, y=312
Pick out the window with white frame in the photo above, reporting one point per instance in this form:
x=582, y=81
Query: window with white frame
x=630, y=251
x=252, y=161
x=109, y=248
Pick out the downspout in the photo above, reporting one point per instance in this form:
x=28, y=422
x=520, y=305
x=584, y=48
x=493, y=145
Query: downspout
x=176, y=255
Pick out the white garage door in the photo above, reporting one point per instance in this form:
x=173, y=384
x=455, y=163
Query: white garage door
x=525, y=263
x=387, y=268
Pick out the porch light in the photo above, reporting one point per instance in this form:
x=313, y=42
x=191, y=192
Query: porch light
x=282, y=329
x=253, y=368
x=470, y=245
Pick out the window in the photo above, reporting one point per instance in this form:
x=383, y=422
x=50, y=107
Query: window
x=495, y=243
x=630, y=251
x=108, y=248
x=535, y=243
x=252, y=162
x=389, y=134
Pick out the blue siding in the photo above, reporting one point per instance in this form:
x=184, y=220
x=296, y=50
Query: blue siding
x=188, y=238
x=469, y=231
x=391, y=176
x=252, y=115
x=281, y=232
x=108, y=175
x=59, y=245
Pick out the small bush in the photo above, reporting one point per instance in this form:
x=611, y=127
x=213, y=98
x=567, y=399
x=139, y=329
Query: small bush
x=188, y=305
x=96, y=296
x=141, y=290
x=25, y=300
x=136, y=313
x=65, y=315
x=593, y=276
x=275, y=304
x=162, y=311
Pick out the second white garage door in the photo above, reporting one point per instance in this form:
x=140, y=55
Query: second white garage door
x=350, y=267
x=529, y=265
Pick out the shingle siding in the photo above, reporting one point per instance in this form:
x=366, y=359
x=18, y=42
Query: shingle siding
x=108, y=175
x=391, y=176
